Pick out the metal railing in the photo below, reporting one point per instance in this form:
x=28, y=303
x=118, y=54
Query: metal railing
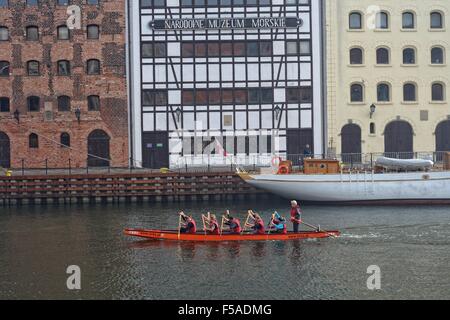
x=217, y=163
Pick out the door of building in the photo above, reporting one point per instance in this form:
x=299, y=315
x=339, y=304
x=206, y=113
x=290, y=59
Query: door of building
x=296, y=142
x=442, y=139
x=98, y=149
x=398, y=140
x=155, y=150
x=5, y=150
x=351, y=143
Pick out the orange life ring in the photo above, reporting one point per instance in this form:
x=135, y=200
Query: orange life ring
x=283, y=169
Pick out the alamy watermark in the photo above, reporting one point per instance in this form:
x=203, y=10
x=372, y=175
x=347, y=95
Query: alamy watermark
x=74, y=280
x=374, y=280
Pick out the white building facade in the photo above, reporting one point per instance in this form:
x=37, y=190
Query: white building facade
x=225, y=81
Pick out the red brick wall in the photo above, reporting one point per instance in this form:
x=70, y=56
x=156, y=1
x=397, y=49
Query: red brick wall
x=110, y=85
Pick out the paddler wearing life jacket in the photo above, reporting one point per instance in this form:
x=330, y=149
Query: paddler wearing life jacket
x=296, y=215
x=188, y=224
x=258, y=225
x=233, y=223
x=213, y=225
x=278, y=224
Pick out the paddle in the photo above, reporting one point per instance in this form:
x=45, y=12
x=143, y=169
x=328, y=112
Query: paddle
x=179, y=227
x=318, y=229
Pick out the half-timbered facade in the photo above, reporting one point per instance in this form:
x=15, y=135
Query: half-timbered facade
x=240, y=78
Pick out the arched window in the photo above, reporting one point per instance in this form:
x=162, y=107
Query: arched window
x=382, y=20
x=437, y=92
x=383, y=56
x=437, y=55
x=355, y=20
x=408, y=20
x=409, y=56
x=33, y=141
x=63, y=33
x=93, y=31
x=93, y=66
x=32, y=33
x=4, y=69
x=65, y=140
x=409, y=92
x=33, y=104
x=356, y=93
x=436, y=20
x=4, y=34
x=356, y=56
x=383, y=92
x=63, y=103
x=4, y=104
x=63, y=68
x=93, y=103
x=33, y=68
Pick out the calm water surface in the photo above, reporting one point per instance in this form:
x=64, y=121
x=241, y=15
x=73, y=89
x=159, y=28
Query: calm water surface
x=411, y=245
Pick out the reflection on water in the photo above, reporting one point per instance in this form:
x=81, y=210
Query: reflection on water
x=411, y=246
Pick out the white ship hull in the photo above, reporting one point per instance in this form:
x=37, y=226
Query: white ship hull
x=363, y=187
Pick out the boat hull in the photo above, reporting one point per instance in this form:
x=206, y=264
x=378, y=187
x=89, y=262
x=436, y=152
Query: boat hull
x=201, y=237
x=415, y=187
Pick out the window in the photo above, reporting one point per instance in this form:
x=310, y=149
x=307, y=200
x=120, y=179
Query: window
x=305, y=47
x=154, y=50
x=372, y=128
x=355, y=20
x=4, y=34
x=252, y=48
x=33, y=141
x=409, y=56
x=93, y=31
x=4, y=69
x=437, y=55
x=356, y=93
x=63, y=33
x=436, y=20
x=383, y=92
x=382, y=20
x=63, y=103
x=32, y=2
x=437, y=92
x=409, y=92
x=356, y=56
x=33, y=104
x=3, y=3
x=383, y=56
x=92, y=1
x=292, y=48
x=65, y=140
x=4, y=104
x=32, y=33
x=33, y=68
x=93, y=103
x=154, y=97
x=63, y=68
x=299, y=95
x=408, y=20
x=63, y=2
x=93, y=67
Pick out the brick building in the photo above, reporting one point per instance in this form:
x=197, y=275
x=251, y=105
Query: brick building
x=61, y=86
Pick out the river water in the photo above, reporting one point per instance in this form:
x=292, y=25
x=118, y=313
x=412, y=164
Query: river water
x=410, y=245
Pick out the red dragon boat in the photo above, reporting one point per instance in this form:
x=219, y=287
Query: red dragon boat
x=202, y=237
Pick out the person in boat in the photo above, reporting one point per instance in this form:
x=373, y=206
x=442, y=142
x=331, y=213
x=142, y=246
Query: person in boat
x=258, y=225
x=213, y=225
x=233, y=223
x=188, y=224
x=296, y=215
x=278, y=224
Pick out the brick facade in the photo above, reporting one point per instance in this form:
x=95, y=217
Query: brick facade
x=109, y=85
